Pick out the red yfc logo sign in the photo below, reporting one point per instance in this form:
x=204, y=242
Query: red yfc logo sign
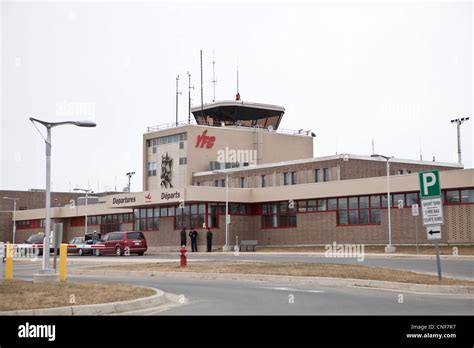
x=204, y=139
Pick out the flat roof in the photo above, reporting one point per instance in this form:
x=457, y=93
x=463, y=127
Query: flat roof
x=240, y=103
x=239, y=112
x=329, y=158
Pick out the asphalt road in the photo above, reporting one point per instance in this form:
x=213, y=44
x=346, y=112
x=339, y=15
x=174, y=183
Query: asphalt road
x=231, y=297
x=462, y=268
x=228, y=297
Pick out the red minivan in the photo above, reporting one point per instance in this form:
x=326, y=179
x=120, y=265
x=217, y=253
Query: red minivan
x=122, y=243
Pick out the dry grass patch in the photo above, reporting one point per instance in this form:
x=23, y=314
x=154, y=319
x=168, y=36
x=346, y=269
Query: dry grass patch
x=19, y=294
x=408, y=249
x=303, y=269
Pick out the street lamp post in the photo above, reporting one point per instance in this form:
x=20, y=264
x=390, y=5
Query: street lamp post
x=226, y=246
x=459, y=122
x=14, y=215
x=86, y=191
x=129, y=174
x=49, y=126
x=389, y=248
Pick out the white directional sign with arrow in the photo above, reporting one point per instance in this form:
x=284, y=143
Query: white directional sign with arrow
x=433, y=232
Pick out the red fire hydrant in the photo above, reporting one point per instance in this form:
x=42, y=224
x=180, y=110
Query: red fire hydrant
x=183, y=255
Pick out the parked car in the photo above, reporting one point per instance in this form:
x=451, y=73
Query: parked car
x=122, y=243
x=80, y=246
x=36, y=241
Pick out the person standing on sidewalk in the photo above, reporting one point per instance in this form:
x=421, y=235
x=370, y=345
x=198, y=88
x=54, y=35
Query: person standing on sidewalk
x=193, y=234
x=209, y=240
x=183, y=237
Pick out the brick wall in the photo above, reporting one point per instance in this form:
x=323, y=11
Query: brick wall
x=338, y=168
x=28, y=200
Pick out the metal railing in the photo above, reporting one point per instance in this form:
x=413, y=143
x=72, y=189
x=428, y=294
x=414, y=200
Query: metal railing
x=184, y=123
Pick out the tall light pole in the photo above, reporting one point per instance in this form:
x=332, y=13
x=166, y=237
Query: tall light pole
x=459, y=122
x=227, y=219
x=129, y=174
x=86, y=191
x=178, y=93
x=14, y=215
x=389, y=248
x=189, y=97
x=49, y=126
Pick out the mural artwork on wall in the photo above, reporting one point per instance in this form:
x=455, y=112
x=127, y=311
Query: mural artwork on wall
x=166, y=165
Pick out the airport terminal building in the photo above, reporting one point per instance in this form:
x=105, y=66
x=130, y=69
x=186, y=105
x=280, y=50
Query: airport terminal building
x=279, y=193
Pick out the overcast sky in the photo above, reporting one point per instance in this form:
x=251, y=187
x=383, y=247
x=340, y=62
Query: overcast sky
x=395, y=72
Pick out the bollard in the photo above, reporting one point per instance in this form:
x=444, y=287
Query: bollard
x=2, y=259
x=62, y=262
x=9, y=262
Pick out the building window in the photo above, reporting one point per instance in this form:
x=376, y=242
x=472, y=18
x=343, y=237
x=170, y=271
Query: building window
x=263, y=180
x=183, y=160
x=111, y=222
x=190, y=216
x=326, y=174
x=242, y=182
x=198, y=183
x=286, y=178
x=216, y=183
x=363, y=210
x=293, y=178
x=153, y=149
x=147, y=219
x=223, y=183
x=317, y=175
x=167, y=140
x=181, y=145
x=278, y=215
x=214, y=211
x=151, y=166
x=459, y=196
x=411, y=198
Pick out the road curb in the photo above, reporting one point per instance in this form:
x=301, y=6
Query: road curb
x=348, y=282
x=159, y=298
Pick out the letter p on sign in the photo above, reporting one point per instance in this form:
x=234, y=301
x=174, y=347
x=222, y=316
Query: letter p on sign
x=429, y=184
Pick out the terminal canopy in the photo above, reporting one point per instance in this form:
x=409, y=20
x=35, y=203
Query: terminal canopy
x=238, y=113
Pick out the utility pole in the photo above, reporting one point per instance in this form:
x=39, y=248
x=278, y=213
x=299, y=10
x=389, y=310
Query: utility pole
x=214, y=81
x=189, y=97
x=459, y=122
x=202, y=92
x=178, y=93
x=86, y=191
x=14, y=216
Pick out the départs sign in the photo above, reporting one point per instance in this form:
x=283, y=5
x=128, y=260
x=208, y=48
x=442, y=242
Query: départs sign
x=145, y=198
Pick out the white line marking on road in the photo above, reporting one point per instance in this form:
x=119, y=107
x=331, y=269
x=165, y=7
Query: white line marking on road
x=291, y=289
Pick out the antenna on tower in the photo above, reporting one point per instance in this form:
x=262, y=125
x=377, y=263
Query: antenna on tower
x=237, y=96
x=202, y=97
x=373, y=147
x=177, y=94
x=189, y=97
x=214, y=81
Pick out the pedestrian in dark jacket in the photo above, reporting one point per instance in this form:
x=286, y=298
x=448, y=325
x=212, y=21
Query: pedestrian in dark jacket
x=209, y=240
x=183, y=237
x=193, y=234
